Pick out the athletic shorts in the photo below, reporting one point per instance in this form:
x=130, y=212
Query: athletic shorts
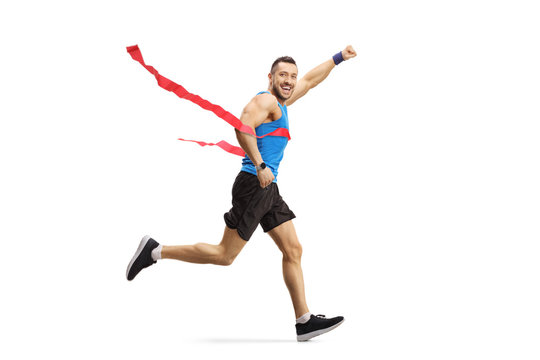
x=253, y=205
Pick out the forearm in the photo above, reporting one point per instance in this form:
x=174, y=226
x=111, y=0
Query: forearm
x=319, y=73
x=249, y=145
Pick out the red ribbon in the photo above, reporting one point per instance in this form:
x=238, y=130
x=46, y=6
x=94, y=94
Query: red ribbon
x=181, y=92
x=222, y=144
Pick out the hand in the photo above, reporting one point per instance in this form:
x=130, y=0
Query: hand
x=348, y=53
x=265, y=177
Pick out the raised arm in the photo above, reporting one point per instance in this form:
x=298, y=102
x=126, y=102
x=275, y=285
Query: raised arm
x=253, y=115
x=315, y=76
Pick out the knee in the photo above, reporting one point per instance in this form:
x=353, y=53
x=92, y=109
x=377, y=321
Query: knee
x=293, y=252
x=225, y=259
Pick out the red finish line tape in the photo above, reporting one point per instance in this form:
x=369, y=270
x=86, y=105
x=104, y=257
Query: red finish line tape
x=235, y=150
x=181, y=92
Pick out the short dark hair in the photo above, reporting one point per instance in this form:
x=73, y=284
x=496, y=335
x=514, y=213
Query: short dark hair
x=286, y=59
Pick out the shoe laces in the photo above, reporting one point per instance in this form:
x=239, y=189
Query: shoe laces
x=320, y=316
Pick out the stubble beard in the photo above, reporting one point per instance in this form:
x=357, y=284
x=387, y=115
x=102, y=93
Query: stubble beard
x=277, y=93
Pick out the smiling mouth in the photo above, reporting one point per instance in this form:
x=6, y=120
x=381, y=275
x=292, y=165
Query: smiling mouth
x=286, y=88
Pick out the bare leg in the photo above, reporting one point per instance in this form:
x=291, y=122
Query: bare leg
x=285, y=238
x=201, y=253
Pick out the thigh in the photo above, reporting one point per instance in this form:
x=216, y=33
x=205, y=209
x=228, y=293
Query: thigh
x=284, y=235
x=250, y=204
x=232, y=243
x=278, y=214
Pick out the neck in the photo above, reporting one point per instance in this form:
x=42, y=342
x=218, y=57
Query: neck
x=278, y=98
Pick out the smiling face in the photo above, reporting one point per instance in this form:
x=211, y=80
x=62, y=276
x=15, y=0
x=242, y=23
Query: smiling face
x=283, y=80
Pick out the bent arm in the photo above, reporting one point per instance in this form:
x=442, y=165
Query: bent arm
x=253, y=115
x=315, y=76
x=248, y=143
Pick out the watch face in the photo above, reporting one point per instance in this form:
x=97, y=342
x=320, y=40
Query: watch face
x=263, y=166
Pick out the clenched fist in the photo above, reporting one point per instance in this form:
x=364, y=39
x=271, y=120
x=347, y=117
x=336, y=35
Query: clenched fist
x=266, y=177
x=348, y=53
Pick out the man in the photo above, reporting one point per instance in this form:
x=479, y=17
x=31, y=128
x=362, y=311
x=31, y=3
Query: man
x=256, y=199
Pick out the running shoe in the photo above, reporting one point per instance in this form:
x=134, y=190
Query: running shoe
x=142, y=258
x=317, y=325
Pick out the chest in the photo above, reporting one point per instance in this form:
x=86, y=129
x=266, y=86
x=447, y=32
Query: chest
x=276, y=114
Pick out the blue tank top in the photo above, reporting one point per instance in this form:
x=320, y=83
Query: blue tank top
x=270, y=147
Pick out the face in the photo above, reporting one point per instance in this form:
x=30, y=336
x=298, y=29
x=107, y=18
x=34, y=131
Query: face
x=283, y=81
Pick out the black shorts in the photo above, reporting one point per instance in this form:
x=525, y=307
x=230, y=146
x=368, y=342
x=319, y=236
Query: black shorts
x=253, y=205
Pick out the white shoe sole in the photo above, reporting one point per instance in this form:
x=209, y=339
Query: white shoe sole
x=311, y=335
x=142, y=244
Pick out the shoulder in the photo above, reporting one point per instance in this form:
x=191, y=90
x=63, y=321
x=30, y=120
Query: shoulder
x=264, y=101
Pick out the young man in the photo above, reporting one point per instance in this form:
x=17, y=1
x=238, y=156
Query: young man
x=256, y=199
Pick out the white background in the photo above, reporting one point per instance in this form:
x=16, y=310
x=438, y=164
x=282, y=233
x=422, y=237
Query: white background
x=413, y=170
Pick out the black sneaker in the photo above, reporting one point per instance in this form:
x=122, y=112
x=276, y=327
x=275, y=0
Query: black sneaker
x=316, y=326
x=142, y=258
